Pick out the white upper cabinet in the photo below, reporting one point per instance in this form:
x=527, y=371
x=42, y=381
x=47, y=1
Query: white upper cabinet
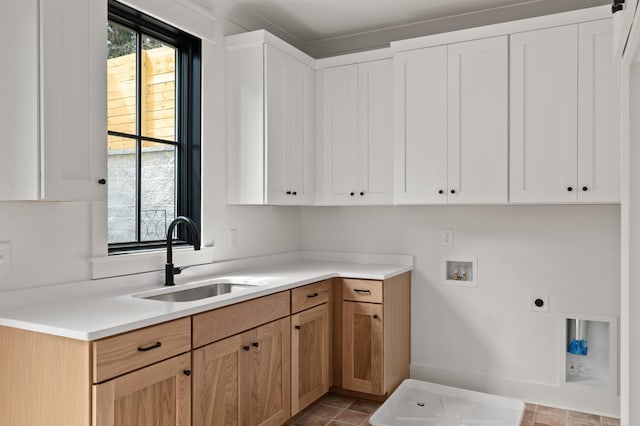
x=270, y=122
x=421, y=126
x=478, y=99
x=599, y=103
x=565, y=143
x=53, y=103
x=451, y=123
x=357, y=137
x=544, y=115
x=288, y=128
x=623, y=13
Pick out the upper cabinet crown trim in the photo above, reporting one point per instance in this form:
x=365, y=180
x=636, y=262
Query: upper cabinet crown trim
x=506, y=28
x=354, y=58
x=256, y=38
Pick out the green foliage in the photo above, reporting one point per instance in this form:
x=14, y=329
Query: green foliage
x=123, y=41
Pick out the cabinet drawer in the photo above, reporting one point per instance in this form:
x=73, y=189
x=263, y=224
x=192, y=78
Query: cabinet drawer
x=126, y=352
x=362, y=290
x=220, y=323
x=311, y=295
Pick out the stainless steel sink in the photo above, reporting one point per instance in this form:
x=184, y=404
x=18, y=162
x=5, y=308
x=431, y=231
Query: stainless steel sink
x=198, y=293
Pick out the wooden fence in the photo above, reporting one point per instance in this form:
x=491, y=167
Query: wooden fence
x=158, y=96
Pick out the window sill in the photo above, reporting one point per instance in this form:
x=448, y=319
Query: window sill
x=147, y=261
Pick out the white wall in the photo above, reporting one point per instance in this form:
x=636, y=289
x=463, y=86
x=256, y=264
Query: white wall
x=52, y=242
x=487, y=338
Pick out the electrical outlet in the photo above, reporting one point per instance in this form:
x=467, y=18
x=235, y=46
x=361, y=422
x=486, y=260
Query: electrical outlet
x=539, y=303
x=446, y=237
x=5, y=257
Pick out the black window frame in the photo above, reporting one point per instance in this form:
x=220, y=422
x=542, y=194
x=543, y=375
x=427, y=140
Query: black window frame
x=188, y=121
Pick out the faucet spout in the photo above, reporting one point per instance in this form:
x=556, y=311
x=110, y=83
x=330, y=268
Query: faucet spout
x=169, y=269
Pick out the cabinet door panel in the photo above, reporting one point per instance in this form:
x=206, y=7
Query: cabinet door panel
x=265, y=375
x=19, y=102
x=340, y=133
x=375, y=123
x=277, y=123
x=544, y=72
x=310, y=357
x=159, y=395
x=478, y=121
x=420, y=82
x=301, y=115
x=215, y=383
x=74, y=119
x=362, y=346
x=598, y=109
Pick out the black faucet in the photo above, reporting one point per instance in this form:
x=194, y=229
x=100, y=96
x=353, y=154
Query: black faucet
x=169, y=269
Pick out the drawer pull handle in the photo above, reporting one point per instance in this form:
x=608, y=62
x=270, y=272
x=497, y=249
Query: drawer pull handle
x=187, y=372
x=297, y=327
x=360, y=291
x=148, y=348
x=255, y=344
x=312, y=295
x=246, y=348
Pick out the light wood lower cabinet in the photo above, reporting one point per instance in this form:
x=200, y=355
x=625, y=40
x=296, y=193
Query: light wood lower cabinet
x=309, y=356
x=158, y=395
x=248, y=364
x=244, y=379
x=372, y=334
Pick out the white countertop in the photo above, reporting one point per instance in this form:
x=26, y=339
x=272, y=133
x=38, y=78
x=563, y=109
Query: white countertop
x=96, y=309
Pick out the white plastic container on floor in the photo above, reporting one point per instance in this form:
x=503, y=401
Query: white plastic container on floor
x=418, y=403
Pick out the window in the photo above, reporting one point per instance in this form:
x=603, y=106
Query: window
x=153, y=120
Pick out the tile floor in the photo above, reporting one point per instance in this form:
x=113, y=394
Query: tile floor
x=337, y=410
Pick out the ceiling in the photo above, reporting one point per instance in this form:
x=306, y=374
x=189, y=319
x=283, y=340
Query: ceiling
x=312, y=25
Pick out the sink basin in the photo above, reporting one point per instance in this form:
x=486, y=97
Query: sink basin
x=198, y=293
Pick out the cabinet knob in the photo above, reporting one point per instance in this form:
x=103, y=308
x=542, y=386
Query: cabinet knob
x=352, y=194
x=585, y=188
x=246, y=348
x=102, y=181
x=453, y=191
x=187, y=372
x=375, y=317
x=570, y=188
x=255, y=344
x=440, y=191
x=288, y=192
x=297, y=327
x=294, y=193
x=361, y=193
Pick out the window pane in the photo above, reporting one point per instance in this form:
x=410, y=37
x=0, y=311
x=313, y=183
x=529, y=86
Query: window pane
x=121, y=164
x=159, y=89
x=121, y=74
x=158, y=200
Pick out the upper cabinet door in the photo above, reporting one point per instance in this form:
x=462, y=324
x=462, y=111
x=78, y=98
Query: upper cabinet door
x=478, y=121
x=288, y=128
x=277, y=123
x=420, y=92
x=340, y=133
x=73, y=99
x=53, y=101
x=19, y=95
x=300, y=172
x=598, y=114
x=375, y=132
x=544, y=81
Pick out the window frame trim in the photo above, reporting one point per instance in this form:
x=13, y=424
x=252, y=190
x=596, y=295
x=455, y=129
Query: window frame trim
x=189, y=122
